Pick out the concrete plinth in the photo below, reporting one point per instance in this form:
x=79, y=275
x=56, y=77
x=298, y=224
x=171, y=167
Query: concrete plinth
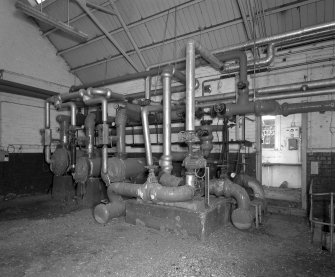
x=193, y=219
x=62, y=188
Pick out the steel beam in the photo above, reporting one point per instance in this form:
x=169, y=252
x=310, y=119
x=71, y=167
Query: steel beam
x=244, y=17
x=128, y=33
x=82, y=4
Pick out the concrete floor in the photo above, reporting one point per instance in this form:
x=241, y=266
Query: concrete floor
x=39, y=237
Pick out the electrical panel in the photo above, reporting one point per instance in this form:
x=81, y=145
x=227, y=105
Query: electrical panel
x=293, y=132
x=4, y=156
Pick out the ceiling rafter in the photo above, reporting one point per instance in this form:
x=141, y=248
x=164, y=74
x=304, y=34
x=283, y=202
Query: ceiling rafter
x=82, y=4
x=132, y=25
x=195, y=33
x=124, y=25
x=244, y=17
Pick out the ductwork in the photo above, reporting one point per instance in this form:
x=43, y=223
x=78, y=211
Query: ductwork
x=247, y=181
x=241, y=217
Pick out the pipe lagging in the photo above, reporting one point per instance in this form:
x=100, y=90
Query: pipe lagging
x=242, y=216
x=190, y=86
x=153, y=192
x=146, y=130
x=89, y=127
x=165, y=161
x=120, y=122
x=106, y=92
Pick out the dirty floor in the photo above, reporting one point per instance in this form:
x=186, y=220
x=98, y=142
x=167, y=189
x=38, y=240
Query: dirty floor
x=51, y=240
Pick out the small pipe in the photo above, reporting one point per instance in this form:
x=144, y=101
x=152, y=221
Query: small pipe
x=73, y=110
x=47, y=146
x=146, y=131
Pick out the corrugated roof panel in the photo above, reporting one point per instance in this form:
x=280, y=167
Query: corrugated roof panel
x=295, y=19
x=288, y=20
x=320, y=14
x=209, y=6
x=241, y=32
x=303, y=16
x=123, y=41
x=329, y=10
x=311, y=14
x=60, y=40
x=128, y=10
x=110, y=22
x=141, y=35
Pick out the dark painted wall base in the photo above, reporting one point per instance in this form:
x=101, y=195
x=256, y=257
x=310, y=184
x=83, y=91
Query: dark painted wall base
x=25, y=173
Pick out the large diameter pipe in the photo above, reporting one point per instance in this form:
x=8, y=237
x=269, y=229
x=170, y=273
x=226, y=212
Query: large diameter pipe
x=106, y=92
x=208, y=56
x=190, y=86
x=146, y=130
x=241, y=217
x=165, y=161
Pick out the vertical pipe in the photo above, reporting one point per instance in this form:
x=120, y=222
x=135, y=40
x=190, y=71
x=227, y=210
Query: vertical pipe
x=120, y=122
x=331, y=221
x=166, y=159
x=146, y=131
x=89, y=126
x=258, y=137
x=47, y=148
x=190, y=85
x=147, y=87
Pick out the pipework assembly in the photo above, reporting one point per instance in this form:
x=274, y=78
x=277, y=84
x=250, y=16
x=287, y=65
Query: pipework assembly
x=166, y=190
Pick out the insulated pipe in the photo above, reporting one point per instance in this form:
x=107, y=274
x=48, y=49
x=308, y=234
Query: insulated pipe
x=120, y=122
x=241, y=217
x=165, y=161
x=300, y=86
x=89, y=126
x=247, y=181
x=104, y=105
x=146, y=130
x=106, y=92
x=27, y=89
x=63, y=121
x=190, y=85
x=305, y=107
x=208, y=56
x=73, y=110
x=153, y=192
x=147, y=88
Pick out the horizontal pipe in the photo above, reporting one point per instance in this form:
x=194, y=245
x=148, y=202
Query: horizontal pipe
x=22, y=92
x=208, y=56
x=96, y=101
x=305, y=107
x=300, y=86
x=106, y=92
x=73, y=110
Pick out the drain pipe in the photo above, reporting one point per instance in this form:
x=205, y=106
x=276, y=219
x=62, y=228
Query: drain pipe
x=241, y=217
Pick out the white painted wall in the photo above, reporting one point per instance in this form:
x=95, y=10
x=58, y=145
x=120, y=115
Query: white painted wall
x=30, y=59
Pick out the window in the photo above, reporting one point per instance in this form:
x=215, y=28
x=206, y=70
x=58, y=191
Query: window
x=39, y=1
x=268, y=131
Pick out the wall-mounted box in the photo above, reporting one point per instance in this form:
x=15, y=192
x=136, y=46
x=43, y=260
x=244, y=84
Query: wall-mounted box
x=293, y=132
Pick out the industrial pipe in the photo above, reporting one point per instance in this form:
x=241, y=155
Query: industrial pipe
x=120, y=123
x=165, y=161
x=106, y=92
x=241, y=217
x=146, y=130
x=247, y=181
x=89, y=127
x=104, y=105
x=190, y=85
x=63, y=121
x=305, y=107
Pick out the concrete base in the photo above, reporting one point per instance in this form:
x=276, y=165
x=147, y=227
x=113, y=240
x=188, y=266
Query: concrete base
x=92, y=192
x=193, y=219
